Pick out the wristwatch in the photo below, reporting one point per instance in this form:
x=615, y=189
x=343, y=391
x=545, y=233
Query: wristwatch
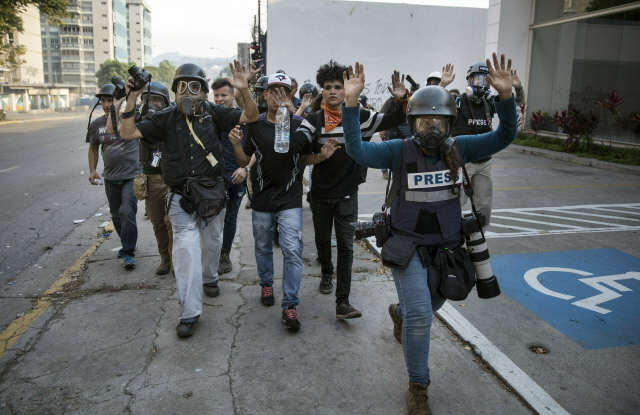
x=248, y=169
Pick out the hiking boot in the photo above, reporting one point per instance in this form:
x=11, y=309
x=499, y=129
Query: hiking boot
x=397, y=323
x=164, y=268
x=267, y=296
x=417, y=399
x=186, y=329
x=290, y=318
x=224, y=265
x=326, y=285
x=211, y=290
x=346, y=310
x=128, y=262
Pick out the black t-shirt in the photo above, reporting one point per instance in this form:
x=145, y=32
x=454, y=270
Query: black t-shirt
x=276, y=178
x=340, y=175
x=163, y=126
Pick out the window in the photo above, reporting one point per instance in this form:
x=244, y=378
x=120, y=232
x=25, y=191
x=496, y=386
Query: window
x=46, y=79
x=138, y=40
x=105, y=28
x=137, y=22
x=45, y=66
x=138, y=49
x=105, y=40
x=88, y=41
x=55, y=66
x=53, y=40
x=105, y=52
x=104, y=3
x=104, y=15
x=87, y=30
x=88, y=55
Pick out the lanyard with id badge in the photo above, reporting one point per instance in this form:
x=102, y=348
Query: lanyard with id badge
x=157, y=155
x=210, y=156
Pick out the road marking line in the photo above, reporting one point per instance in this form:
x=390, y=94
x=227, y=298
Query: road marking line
x=628, y=205
x=10, y=168
x=567, y=186
x=13, y=332
x=537, y=165
x=618, y=211
x=592, y=214
x=539, y=222
x=565, y=218
x=559, y=232
x=80, y=148
x=509, y=372
x=514, y=227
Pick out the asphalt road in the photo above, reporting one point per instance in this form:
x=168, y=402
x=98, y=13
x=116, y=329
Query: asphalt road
x=43, y=182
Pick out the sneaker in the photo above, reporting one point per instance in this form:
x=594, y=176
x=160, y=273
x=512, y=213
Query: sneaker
x=346, y=310
x=290, y=318
x=224, y=265
x=267, y=296
x=186, y=329
x=211, y=291
x=128, y=262
x=397, y=323
x=326, y=285
x=164, y=268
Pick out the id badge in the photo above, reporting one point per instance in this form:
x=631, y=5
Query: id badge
x=156, y=158
x=212, y=159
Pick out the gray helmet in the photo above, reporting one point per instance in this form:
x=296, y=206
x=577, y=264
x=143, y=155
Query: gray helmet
x=480, y=67
x=261, y=83
x=106, y=91
x=157, y=88
x=431, y=100
x=190, y=71
x=308, y=88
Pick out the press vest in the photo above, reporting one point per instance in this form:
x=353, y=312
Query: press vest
x=179, y=134
x=472, y=118
x=425, y=210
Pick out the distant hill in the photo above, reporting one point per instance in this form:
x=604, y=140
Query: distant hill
x=211, y=66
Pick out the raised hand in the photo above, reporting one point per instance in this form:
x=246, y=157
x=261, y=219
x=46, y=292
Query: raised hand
x=399, y=90
x=253, y=71
x=500, y=76
x=281, y=97
x=329, y=148
x=235, y=136
x=447, y=75
x=238, y=73
x=354, y=85
x=306, y=100
x=515, y=80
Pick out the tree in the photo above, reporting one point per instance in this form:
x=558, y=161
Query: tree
x=10, y=21
x=110, y=68
x=163, y=73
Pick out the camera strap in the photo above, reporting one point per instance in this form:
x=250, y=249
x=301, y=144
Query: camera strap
x=114, y=122
x=89, y=124
x=145, y=107
x=392, y=189
x=468, y=190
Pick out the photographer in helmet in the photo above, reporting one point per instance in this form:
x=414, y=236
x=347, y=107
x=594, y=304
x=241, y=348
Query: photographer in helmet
x=426, y=214
x=476, y=108
x=193, y=168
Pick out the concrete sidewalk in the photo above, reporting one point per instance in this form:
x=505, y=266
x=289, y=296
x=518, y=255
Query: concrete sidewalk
x=107, y=344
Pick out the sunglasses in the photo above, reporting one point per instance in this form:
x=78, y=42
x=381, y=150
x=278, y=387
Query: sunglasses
x=193, y=86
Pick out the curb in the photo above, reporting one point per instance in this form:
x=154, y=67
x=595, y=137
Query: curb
x=554, y=155
x=43, y=119
x=519, y=382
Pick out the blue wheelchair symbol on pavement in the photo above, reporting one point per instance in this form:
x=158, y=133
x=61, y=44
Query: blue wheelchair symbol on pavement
x=592, y=296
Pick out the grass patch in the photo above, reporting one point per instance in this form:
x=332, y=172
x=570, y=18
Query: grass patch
x=628, y=156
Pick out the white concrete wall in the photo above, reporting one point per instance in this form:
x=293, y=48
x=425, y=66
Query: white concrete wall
x=32, y=70
x=414, y=39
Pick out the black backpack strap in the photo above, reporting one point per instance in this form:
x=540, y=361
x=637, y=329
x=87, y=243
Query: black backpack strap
x=392, y=189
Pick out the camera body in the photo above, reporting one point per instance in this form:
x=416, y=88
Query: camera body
x=140, y=77
x=378, y=227
x=487, y=283
x=119, y=92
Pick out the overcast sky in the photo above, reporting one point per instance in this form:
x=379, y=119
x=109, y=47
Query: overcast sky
x=193, y=27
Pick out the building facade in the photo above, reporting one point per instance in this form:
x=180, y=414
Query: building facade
x=139, y=32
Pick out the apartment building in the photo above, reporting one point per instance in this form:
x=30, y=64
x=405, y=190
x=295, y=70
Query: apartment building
x=139, y=32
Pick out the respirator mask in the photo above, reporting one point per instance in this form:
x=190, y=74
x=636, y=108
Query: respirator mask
x=152, y=106
x=432, y=134
x=479, y=87
x=189, y=96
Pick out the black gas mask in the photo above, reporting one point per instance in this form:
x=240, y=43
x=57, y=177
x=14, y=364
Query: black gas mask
x=432, y=134
x=479, y=87
x=190, y=97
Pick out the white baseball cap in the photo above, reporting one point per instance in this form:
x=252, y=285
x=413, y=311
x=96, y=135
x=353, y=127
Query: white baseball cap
x=279, y=79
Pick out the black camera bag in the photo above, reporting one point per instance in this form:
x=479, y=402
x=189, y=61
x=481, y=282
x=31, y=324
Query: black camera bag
x=397, y=252
x=450, y=274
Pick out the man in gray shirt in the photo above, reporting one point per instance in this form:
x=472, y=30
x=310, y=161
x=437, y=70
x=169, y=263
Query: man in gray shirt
x=121, y=166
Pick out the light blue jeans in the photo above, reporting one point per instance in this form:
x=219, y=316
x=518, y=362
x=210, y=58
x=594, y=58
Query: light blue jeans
x=195, y=256
x=416, y=312
x=290, y=222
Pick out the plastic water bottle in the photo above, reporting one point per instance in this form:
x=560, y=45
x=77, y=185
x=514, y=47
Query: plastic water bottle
x=281, y=144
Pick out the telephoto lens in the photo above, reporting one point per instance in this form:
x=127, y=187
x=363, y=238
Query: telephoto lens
x=487, y=283
x=119, y=91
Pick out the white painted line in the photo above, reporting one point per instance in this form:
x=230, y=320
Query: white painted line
x=592, y=214
x=508, y=371
x=10, y=168
x=618, y=211
x=513, y=227
x=628, y=205
x=565, y=218
x=80, y=148
x=559, y=232
x=539, y=223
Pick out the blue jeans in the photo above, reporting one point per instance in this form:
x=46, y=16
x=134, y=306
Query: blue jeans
x=290, y=222
x=416, y=312
x=123, y=206
x=236, y=193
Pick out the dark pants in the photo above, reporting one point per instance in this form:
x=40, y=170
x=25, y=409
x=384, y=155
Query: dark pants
x=155, y=206
x=123, y=206
x=236, y=193
x=339, y=212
